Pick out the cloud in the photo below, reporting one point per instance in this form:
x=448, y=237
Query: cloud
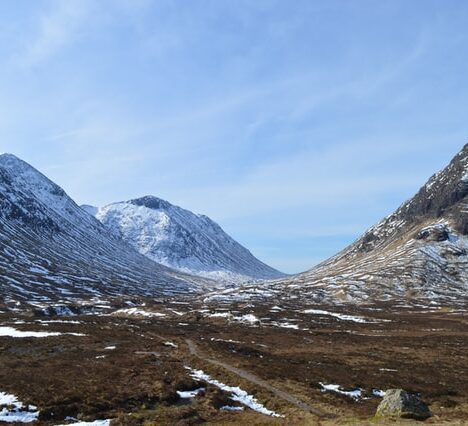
x=57, y=28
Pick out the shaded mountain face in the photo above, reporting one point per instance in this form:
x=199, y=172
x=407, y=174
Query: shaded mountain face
x=418, y=253
x=51, y=248
x=180, y=239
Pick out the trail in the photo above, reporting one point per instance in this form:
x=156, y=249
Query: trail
x=258, y=381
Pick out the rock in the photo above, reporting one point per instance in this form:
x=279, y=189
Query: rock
x=399, y=403
x=434, y=233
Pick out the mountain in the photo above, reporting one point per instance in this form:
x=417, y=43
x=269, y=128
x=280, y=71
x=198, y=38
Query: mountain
x=418, y=253
x=180, y=239
x=51, y=248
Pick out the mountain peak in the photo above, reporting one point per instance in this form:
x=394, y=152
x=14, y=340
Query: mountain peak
x=442, y=196
x=182, y=240
x=7, y=155
x=151, y=202
x=27, y=179
x=11, y=160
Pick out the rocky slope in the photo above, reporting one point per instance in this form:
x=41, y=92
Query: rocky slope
x=50, y=248
x=180, y=239
x=417, y=254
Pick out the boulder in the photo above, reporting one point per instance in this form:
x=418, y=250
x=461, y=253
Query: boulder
x=436, y=233
x=399, y=403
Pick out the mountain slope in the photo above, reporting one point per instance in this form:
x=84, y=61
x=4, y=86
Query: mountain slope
x=50, y=248
x=180, y=239
x=418, y=253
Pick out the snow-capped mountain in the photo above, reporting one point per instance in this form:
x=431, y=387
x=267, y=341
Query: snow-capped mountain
x=180, y=239
x=418, y=253
x=50, y=247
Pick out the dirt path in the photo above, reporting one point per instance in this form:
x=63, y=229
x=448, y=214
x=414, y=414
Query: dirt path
x=257, y=381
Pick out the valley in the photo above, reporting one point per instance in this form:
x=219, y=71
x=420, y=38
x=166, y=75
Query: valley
x=128, y=363
x=233, y=213
x=98, y=329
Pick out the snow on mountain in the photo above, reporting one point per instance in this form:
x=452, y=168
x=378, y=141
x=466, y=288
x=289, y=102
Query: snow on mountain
x=51, y=248
x=417, y=254
x=180, y=239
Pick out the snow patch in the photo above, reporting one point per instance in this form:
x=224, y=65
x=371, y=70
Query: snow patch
x=224, y=340
x=219, y=315
x=342, y=317
x=138, y=313
x=355, y=394
x=247, y=318
x=378, y=392
x=93, y=423
x=238, y=394
x=14, y=411
x=190, y=394
x=13, y=332
x=231, y=408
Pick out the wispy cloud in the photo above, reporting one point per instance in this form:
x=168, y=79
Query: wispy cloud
x=63, y=23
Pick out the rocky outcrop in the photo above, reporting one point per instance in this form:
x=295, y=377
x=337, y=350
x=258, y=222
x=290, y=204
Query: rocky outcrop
x=434, y=233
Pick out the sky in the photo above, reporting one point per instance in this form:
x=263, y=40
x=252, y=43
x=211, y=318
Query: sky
x=295, y=125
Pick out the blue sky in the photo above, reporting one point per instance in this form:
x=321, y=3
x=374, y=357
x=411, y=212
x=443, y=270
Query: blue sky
x=294, y=124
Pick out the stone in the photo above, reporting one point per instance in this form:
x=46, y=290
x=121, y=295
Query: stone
x=434, y=233
x=399, y=403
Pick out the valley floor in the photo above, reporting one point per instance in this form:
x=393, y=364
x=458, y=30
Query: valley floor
x=129, y=363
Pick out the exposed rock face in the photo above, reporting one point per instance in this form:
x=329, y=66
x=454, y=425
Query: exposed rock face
x=399, y=403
